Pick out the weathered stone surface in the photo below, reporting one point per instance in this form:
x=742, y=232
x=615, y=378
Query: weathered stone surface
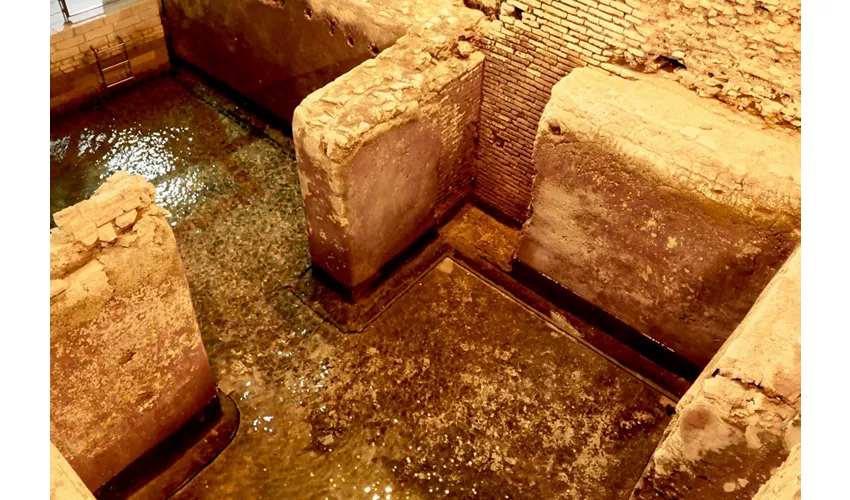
x=382, y=150
x=126, y=219
x=126, y=360
x=746, y=53
x=65, y=484
x=241, y=42
x=784, y=484
x=669, y=211
x=57, y=287
x=741, y=419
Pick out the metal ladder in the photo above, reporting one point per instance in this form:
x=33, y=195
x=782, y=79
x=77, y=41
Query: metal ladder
x=103, y=55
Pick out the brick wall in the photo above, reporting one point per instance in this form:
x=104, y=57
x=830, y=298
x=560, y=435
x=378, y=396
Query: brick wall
x=74, y=77
x=743, y=52
x=459, y=105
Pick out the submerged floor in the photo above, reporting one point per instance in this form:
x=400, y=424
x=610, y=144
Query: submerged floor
x=454, y=390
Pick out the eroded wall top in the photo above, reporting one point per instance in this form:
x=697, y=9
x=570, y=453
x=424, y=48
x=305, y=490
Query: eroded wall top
x=700, y=145
x=744, y=52
x=382, y=21
x=89, y=249
x=334, y=121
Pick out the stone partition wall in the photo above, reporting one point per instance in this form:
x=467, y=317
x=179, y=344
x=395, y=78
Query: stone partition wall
x=738, y=427
x=667, y=210
x=74, y=77
x=127, y=365
x=743, y=52
x=277, y=52
x=384, y=151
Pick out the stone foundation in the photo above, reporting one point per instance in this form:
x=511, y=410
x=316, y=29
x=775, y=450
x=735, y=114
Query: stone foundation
x=384, y=151
x=741, y=419
x=669, y=211
x=127, y=364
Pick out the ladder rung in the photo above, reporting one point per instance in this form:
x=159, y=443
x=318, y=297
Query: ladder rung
x=125, y=61
x=131, y=77
x=109, y=48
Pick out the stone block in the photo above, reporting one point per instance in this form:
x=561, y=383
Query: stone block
x=146, y=7
x=129, y=21
x=740, y=421
x=127, y=363
x=150, y=13
x=379, y=148
x=63, y=34
x=669, y=211
x=71, y=42
x=60, y=55
x=98, y=32
x=390, y=189
x=87, y=26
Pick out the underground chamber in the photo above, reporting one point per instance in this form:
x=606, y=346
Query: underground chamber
x=423, y=249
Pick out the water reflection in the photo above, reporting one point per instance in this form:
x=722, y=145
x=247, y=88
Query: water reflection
x=144, y=151
x=159, y=131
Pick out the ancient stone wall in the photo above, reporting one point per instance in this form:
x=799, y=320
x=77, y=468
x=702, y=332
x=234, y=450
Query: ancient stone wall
x=127, y=365
x=743, y=52
x=74, y=77
x=275, y=52
x=384, y=151
x=669, y=211
x=738, y=426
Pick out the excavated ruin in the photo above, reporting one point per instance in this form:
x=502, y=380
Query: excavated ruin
x=426, y=248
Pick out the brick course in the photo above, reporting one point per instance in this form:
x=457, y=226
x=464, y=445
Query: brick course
x=459, y=106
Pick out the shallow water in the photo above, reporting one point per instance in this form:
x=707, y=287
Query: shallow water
x=454, y=391
x=159, y=130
